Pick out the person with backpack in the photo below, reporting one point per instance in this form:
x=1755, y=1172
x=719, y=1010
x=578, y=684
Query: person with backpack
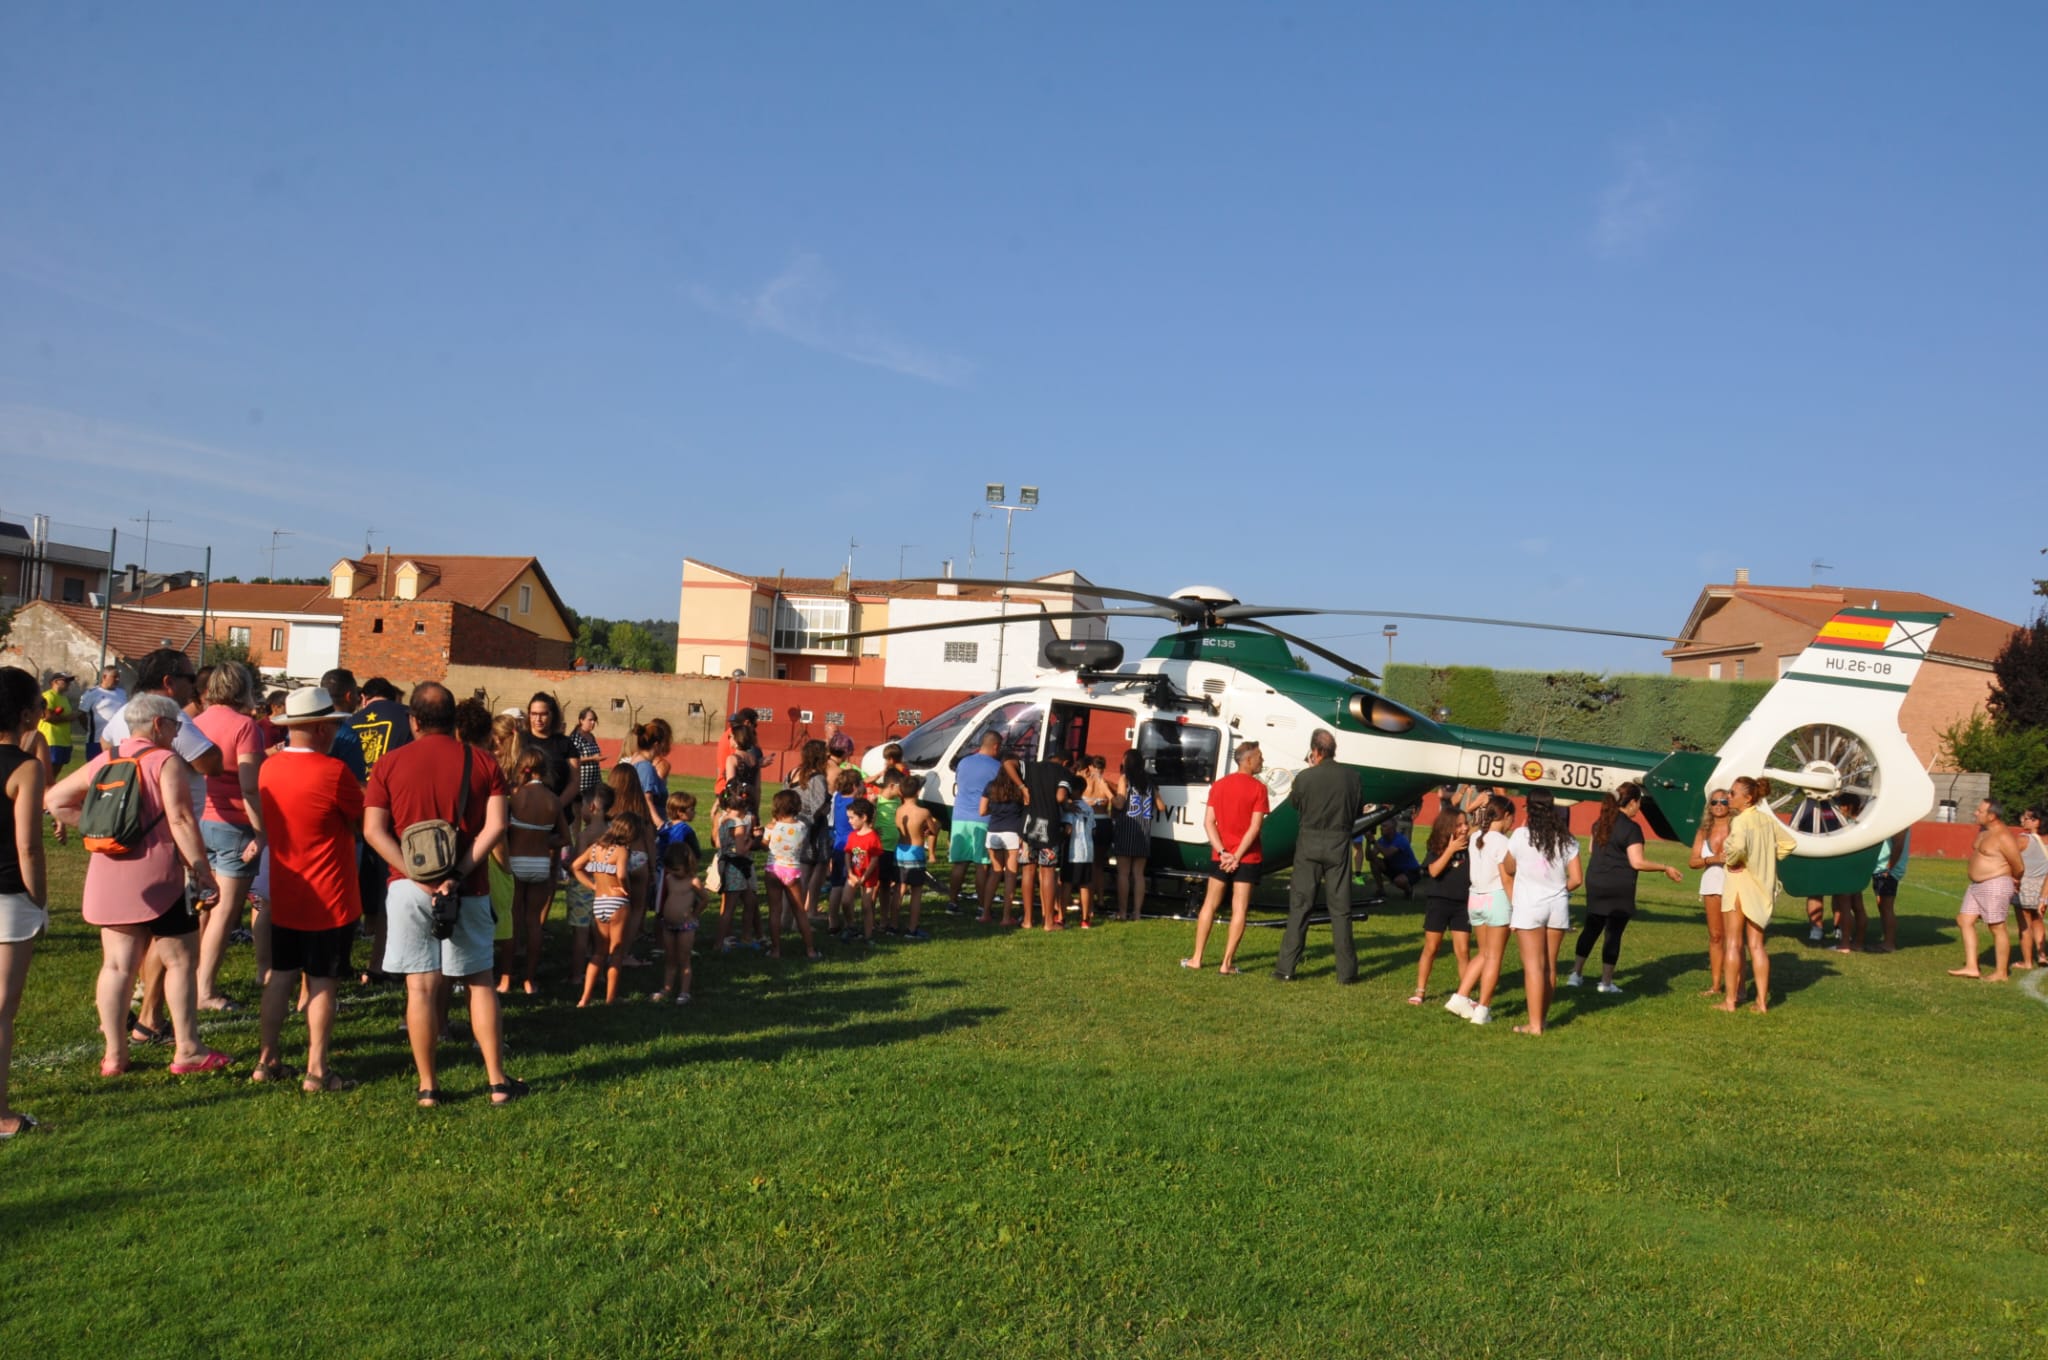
x=133, y=809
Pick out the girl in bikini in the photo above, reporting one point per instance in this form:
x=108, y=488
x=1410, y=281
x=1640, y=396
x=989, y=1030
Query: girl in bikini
x=630, y=800
x=787, y=872
x=593, y=815
x=602, y=869
x=536, y=833
x=680, y=905
x=1706, y=857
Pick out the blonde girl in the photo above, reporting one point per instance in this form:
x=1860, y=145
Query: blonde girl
x=1756, y=842
x=1706, y=857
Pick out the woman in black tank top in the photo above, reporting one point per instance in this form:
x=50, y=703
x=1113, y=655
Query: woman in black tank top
x=24, y=881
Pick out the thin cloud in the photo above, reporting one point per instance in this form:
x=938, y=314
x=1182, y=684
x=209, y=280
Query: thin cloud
x=797, y=305
x=24, y=263
x=1650, y=188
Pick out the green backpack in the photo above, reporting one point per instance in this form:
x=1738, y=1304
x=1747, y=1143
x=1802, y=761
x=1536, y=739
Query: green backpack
x=112, y=821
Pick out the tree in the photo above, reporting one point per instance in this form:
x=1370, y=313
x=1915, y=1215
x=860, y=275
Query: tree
x=2019, y=691
x=215, y=651
x=634, y=647
x=2016, y=758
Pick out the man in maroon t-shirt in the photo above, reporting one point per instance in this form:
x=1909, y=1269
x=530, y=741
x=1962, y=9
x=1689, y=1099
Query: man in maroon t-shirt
x=421, y=781
x=1237, y=809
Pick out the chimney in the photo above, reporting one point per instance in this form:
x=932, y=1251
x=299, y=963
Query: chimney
x=946, y=567
x=1742, y=576
x=384, y=576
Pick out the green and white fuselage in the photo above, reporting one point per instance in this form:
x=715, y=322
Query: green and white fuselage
x=1200, y=694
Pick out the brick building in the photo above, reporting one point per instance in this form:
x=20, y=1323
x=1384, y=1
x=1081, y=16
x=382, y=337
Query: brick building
x=408, y=618
x=35, y=566
x=773, y=627
x=1743, y=631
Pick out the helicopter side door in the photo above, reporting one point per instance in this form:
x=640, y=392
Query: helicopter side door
x=1184, y=758
x=1021, y=725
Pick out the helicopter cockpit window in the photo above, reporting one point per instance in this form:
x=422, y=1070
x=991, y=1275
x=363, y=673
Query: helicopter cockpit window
x=1018, y=724
x=1381, y=714
x=926, y=746
x=1180, y=753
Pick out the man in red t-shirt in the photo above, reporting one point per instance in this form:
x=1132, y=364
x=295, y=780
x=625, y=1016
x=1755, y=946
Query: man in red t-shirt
x=312, y=809
x=1237, y=809
x=421, y=781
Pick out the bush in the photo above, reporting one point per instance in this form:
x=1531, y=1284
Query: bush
x=1641, y=712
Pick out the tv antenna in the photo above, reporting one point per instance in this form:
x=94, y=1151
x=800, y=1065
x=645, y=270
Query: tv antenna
x=369, y=535
x=902, y=549
x=145, y=519
x=1817, y=567
x=276, y=534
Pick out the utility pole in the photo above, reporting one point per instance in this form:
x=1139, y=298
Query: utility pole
x=850, y=547
x=276, y=534
x=145, y=519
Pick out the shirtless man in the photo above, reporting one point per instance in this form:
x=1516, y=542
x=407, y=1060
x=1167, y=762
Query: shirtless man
x=1994, y=874
x=917, y=834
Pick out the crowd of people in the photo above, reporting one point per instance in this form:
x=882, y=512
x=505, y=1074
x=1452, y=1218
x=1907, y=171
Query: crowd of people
x=425, y=843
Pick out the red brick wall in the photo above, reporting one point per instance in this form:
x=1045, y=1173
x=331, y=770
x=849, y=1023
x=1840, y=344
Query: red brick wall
x=480, y=639
x=406, y=641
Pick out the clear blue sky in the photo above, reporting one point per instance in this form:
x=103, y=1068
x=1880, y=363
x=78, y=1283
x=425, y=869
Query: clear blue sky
x=1549, y=311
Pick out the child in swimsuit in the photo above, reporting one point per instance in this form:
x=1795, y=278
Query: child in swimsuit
x=680, y=904
x=537, y=831
x=786, y=836
x=593, y=815
x=733, y=875
x=917, y=833
x=602, y=868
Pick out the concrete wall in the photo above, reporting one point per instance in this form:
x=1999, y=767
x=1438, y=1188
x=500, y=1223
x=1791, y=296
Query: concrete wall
x=621, y=698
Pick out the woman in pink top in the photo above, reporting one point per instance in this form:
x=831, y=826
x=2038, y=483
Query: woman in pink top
x=138, y=899
x=232, y=824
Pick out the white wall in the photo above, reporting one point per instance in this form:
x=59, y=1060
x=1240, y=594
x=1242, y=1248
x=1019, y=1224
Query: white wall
x=314, y=649
x=917, y=660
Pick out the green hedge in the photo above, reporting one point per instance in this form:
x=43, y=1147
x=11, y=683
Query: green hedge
x=1644, y=712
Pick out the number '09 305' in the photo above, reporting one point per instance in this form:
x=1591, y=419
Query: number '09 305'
x=1579, y=776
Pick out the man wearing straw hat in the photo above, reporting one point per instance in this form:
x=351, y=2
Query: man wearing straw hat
x=312, y=813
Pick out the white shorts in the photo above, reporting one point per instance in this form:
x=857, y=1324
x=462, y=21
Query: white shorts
x=21, y=919
x=1005, y=840
x=1546, y=913
x=409, y=943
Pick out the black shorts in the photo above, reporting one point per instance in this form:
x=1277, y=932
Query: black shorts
x=1077, y=873
x=835, y=874
x=179, y=920
x=888, y=877
x=316, y=953
x=1243, y=873
x=1440, y=914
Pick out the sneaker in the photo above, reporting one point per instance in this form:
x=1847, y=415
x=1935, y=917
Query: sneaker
x=241, y=937
x=1575, y=980
x=1608, y=989
x=1459, y=1005
x=1813, y=936
x=1481, y=1015
x=918, y=934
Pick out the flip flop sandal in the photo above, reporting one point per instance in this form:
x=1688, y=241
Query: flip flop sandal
x=429, y=1100
x=1418, y=998
x=139, y=1033
x=1230, y=972
x=328, y=1083
x=22, y=1124
x=108, y=1069
x=265, y=1073
x=214, y=1061
x=510, y=1090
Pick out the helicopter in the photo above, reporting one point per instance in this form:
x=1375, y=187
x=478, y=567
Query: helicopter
x=1826, y=734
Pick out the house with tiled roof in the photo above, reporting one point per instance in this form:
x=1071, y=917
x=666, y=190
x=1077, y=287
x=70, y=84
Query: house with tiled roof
x=1746, y=631
x=406, y=617
x=45, y=636
x=775, y=627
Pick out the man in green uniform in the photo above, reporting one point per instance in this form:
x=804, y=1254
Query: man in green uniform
x=1328, y=798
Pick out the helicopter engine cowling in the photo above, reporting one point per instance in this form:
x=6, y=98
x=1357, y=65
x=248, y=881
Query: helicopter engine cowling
x=1084, y=654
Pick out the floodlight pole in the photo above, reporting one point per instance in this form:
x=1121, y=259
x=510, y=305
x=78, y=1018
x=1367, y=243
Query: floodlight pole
x=1003, y=605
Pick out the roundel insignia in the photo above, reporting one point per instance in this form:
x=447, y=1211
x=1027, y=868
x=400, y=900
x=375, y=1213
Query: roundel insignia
x=1532, y=769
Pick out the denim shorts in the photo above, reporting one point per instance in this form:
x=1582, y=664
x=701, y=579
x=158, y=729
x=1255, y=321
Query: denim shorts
x=225, y=843
x=409, y=943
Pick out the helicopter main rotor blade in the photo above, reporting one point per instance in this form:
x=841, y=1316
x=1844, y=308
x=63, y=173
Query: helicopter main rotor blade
x=1317, y=649
x=1022, y=616
x=1248, y=612
x=1181, y=608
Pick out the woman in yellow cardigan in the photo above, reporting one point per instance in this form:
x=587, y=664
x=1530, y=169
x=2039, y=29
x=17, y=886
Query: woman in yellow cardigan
x=1756, y=842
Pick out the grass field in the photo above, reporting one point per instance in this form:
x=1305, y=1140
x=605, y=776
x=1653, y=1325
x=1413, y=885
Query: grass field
x=1005, y=1145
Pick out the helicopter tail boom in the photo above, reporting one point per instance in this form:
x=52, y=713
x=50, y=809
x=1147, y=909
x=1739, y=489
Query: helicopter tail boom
x=1827, y=738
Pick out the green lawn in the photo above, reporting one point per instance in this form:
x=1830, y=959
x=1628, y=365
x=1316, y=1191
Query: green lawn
x=1006, y=1145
